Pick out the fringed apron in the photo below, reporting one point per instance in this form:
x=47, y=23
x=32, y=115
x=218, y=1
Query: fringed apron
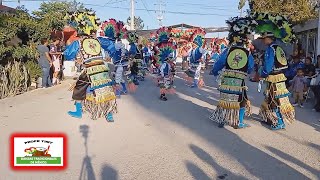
x=276, y=97
x=276, y=93
x=100, y=97
x=233, y=91
x=165, y=83
x=233, y=96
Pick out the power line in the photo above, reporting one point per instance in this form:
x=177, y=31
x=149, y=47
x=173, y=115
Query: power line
x=146, y=7
x=197, y=4
x=170, y=12
x=138, y=9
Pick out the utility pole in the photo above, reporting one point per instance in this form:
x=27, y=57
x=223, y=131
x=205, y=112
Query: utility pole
x=160, y=12
x=132, y=15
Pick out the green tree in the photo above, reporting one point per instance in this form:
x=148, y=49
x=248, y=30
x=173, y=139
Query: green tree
x=20, y=31
x=51, y=14
x=297, y=10
x=138, y=23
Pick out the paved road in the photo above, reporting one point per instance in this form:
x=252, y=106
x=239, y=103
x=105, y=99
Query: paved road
x=163, y=140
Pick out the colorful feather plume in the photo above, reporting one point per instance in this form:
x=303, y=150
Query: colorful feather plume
x=165, y=51
x=163, y=34
x=122, y=31
x=198, y=37
x=277, y=24
x=112, y=29
x=153, y=37
x=85, y=22
x=109, y=29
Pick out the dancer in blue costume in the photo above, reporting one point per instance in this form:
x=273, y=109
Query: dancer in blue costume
x=120, y=62
x=93, y=91
x=166, y=50
x=276, y=109
x=197, y=55
x=238, y=63
x=134, y=65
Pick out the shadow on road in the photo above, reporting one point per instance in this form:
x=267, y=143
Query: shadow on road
x=293, y=160
x=87, y=172
x=258, y=163
x=196, y=172
x=108, y=173
x=204, y=156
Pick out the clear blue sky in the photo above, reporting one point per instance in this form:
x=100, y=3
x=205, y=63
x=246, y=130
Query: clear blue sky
x=214, y=12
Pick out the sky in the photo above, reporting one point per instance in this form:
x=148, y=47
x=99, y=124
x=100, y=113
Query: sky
x=204, y=13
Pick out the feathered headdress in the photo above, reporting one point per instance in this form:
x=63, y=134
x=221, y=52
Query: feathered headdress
x=112, y=29
x=85, y=22
x=109, y=29
x=122, y=30
x=153, y=37
x=132, y=37
x=240, y=28
x=163, y=34
x=278, y=25
x=166, y=51
x=198, y=37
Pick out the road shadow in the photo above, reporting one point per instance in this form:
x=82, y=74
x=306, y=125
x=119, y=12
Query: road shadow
x=294, y=161
x=196, y=172
x=195, y=118
x=87, y=172
x=315, y=146
x=205, y=157
x=109, y=173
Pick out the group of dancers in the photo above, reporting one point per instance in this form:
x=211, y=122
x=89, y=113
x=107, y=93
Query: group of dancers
x=97, y=88
x=237, y=63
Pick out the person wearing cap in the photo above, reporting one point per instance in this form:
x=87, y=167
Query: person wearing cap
x=276, y=107
x=238, y=63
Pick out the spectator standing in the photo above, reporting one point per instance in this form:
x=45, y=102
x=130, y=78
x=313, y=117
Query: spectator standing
x=299, y=86
x=291, y=72
x=45, y=62
x=309, y=68
x=56, y=60
x=318, y=62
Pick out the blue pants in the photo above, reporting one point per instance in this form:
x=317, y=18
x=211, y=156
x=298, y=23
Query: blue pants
x=46, y=80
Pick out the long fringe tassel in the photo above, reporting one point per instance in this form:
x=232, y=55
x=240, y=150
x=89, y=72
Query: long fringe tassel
x=268, y=116
x=201, y=83
x=100, y=110
x=188, y=79
x=72, y=86
x=132, y=87
x=248, y=109
x=226, y=116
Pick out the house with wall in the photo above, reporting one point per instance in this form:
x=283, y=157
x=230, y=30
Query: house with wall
x=307, y=35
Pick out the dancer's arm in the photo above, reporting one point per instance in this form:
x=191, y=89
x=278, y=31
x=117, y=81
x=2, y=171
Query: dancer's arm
x=220, y=63
x=268, y=62
x=250, y=63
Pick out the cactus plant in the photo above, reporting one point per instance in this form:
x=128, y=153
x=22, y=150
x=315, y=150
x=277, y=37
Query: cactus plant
x=34, y=70
x=14, y=79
